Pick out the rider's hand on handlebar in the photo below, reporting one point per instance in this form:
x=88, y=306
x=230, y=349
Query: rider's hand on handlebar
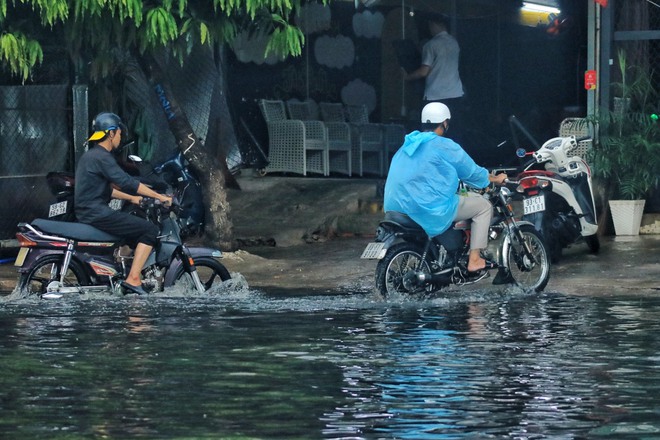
x=165, y=200
x=499, y=179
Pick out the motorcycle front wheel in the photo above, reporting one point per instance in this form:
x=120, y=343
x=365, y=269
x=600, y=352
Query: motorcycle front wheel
x=400, y=259
x=46, y=271
x=528, y=260
x=211, y=273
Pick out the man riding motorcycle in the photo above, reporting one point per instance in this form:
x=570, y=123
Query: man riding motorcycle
x=424, y=177
x=99, y=179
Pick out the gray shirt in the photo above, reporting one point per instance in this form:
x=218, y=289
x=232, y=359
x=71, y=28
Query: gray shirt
x=95, y=174
x=441, y=53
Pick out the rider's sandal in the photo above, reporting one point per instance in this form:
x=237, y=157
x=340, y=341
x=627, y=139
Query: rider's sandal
x=489, y=265
x=129, y=288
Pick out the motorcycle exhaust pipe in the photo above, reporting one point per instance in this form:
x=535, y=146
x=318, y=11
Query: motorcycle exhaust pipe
x=416, y=278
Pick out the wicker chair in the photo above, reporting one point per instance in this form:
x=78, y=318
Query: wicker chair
x=367, y=139
x=338, y=132
x=578, y=127
x=393, y=134
x=294, y=146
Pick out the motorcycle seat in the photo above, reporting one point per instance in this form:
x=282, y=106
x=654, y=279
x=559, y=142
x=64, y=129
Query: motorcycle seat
x=74, y=230
x=402, y=220
x=405, y=221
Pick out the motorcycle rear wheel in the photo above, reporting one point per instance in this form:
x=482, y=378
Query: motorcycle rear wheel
x=529, y=275
x=211, y=272
x=390, y=271
x=48, y=270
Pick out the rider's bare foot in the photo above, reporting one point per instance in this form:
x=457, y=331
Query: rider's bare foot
x=476, y=264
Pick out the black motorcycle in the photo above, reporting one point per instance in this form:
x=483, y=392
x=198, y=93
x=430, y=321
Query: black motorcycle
x=410, y=262
x=57, y=258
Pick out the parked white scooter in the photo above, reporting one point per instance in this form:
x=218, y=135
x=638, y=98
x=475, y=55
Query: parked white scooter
x=558, y=196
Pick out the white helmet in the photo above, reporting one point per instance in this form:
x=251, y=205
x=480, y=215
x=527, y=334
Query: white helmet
x=435, y=113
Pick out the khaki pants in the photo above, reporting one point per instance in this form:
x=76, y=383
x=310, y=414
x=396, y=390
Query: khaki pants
x=474, y=206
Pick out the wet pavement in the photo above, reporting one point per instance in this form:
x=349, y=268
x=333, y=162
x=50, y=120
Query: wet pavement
x=321, y=226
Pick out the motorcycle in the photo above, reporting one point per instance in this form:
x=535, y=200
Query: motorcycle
x=57, y=258
x=410, y=262
x=558, y=195
x=173, y=173
x=176, y=173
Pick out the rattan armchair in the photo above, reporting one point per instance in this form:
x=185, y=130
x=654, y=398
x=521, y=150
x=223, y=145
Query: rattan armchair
x=578, y=127
x=339, y=135
x=392, y=135
x=367, y=140
x=294, y=146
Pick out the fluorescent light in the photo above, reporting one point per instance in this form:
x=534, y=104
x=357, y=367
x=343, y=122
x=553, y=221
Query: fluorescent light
x=535, y=7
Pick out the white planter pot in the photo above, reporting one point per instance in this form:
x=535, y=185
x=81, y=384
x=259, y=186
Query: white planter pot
x=627, y=216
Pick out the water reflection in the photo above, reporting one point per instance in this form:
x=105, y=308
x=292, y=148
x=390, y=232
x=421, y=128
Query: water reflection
x=250, y=365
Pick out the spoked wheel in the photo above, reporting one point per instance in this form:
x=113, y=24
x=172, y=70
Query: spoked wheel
x=211, y=273
x=400, y=260
x=46, y=272
x=528, y=260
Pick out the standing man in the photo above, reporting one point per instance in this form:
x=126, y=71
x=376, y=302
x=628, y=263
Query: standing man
x=423, y=183
x=99, y=179
x=439, y=68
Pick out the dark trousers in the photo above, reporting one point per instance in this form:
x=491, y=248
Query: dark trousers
x=129, y=227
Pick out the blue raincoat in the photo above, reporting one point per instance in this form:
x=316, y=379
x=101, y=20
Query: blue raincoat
x=424, y=177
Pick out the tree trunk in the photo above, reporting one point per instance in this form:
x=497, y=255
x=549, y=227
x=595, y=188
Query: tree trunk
x=207, y=166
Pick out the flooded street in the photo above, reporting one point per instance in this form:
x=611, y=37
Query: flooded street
x=469, y=364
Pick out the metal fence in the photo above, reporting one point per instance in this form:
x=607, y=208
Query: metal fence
x=35, y=138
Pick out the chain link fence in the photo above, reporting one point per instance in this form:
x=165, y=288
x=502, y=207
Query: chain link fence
x=34, y=139
x=632, y=21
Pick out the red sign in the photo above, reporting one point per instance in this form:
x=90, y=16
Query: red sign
x=590, y=79
x=603, y=3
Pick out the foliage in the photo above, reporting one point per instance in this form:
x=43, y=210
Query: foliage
x=628, y=153
x=19, y=53
x=97, y=31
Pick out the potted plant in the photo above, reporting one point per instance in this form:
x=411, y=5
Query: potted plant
x=627, y=155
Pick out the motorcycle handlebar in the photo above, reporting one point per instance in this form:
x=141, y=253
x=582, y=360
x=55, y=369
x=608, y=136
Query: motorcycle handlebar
x=151, y=203
x=583, y=138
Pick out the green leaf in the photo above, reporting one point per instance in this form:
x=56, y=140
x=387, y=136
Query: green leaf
x=203, y=32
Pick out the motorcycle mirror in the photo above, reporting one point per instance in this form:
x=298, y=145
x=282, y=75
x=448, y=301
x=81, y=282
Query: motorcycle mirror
x=521, y=152
x=134, y=158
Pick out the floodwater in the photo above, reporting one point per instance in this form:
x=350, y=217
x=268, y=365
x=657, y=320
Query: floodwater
x=246, y=365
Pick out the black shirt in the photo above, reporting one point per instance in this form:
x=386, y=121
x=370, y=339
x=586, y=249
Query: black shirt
x=95, y=173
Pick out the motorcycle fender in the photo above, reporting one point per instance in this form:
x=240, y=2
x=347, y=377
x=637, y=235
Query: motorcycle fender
x=195, y=252
x=389, y=241
x=164, y=255
x=34, y=255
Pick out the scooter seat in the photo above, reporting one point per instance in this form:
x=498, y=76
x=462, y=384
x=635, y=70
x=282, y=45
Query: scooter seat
x=74, y=230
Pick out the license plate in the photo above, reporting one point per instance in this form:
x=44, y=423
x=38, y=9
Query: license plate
x=20, y=258
x=57, y=209
x=534, y=204
x=374, y=251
